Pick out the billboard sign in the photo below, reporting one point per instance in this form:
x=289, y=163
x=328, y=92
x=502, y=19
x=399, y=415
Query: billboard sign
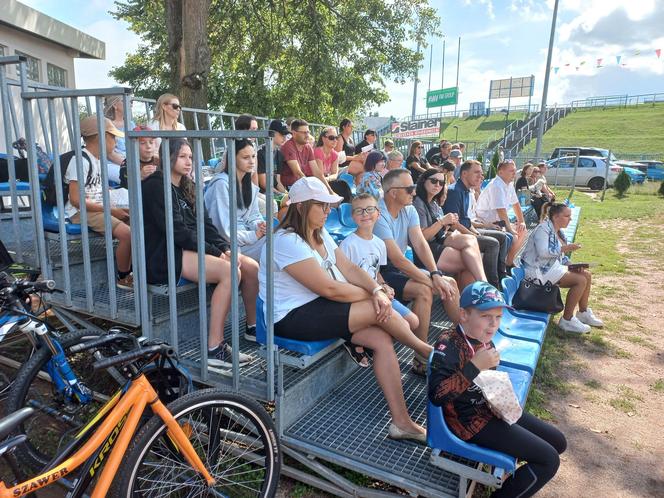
x=511, y=88
x=417, y=128
x=439, y=98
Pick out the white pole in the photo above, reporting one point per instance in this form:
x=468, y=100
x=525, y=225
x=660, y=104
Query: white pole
x=415, y=85
x=457, y=78
x=540, y=128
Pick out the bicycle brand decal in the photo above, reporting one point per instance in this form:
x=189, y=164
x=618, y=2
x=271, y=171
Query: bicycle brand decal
x=108, y=445
x=39, y=482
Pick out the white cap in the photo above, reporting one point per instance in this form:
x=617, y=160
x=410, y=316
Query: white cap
x=311, y=189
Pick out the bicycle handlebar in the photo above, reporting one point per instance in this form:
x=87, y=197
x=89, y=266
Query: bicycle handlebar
x=94, y=343
x=162, y=349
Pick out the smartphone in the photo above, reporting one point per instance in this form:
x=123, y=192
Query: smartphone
x=578, y=266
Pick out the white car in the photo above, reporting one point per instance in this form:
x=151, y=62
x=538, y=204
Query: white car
x=589, y=173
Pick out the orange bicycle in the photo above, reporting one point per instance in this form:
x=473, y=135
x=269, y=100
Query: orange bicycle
x=207, y=443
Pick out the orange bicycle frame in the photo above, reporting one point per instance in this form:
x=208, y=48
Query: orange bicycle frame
x=131, y=405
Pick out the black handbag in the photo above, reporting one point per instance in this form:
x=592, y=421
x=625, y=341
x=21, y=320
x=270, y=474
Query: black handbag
x=533, y=295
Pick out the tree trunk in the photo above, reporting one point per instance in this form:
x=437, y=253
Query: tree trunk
x=189, y=56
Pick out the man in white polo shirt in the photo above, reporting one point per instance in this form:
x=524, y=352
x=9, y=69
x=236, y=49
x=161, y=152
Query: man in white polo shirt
x=495, y=200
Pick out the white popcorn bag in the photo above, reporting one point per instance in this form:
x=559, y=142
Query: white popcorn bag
x=499, y=394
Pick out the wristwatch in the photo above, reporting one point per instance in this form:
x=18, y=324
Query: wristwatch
x=435, y=272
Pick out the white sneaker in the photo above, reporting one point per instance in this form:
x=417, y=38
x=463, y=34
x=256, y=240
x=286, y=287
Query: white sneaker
x=573, y=325
x=589, y=318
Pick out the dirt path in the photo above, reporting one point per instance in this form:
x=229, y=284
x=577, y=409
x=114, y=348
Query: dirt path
x=613, y=415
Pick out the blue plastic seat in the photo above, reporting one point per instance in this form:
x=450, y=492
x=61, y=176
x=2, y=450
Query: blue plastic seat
x=346, y=215
x=510, y=286
x=409, y=253
x=51, y=222
x=334, y=226
x=349, y=179
x=4, y=186
x=440, y=437
x=517, y=353
x=523, y=328
x=485, y=183
x=521, y=381
x=308, y=348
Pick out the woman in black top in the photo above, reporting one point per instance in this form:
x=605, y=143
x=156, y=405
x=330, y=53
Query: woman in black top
x=456, y=253
x=416, y=162
x=217, y=256
x=524, y=179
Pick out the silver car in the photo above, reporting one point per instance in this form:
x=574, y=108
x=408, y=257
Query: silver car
x=589, y=173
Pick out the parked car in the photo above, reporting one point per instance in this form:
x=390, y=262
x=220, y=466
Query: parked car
x=654, y=170
x=589, y=173
x=633, y=169
x=583, y=151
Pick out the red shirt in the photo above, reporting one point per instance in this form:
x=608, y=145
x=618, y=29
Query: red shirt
x=302, y=156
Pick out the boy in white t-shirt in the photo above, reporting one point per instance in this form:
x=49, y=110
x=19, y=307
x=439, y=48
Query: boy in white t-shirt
x=368, y=252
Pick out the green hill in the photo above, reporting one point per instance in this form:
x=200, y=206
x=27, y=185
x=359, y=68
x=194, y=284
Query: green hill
x=631, y=130
x=479, y=129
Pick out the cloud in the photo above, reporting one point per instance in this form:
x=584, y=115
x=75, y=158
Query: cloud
x=490, y=11
x=531, y=10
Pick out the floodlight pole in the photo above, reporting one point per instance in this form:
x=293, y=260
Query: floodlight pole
x=457, y=76
x=547, y=72
x=429, y=87
x=415, y=85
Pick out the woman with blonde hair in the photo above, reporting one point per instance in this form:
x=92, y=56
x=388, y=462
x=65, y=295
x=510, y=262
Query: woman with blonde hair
x=166, y=115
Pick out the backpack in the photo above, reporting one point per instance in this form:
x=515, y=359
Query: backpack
x=49, y=193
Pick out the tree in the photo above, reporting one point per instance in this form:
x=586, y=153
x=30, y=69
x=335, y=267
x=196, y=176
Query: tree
x=493, y=168
x=660, y=191
x=319, y=59
x=622, y=183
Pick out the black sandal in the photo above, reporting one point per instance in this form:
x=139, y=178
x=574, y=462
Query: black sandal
x=356, y=355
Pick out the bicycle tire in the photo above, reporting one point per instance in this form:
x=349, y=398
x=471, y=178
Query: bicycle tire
x=253, y=456
x=45, y=431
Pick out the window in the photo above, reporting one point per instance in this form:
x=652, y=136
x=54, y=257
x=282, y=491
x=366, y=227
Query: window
x=585, y=162
x=32, y=66
x=56, y=75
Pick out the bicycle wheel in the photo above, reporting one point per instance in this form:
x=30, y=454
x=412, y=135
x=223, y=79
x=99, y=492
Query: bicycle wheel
x=233, y=436
x=56, y=420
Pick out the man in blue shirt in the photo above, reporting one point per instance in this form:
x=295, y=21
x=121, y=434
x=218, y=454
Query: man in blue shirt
x=492, y=242
x=398, y=225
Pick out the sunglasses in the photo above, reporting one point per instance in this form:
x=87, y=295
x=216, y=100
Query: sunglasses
x=436, y=181
x=409, y=189
x=331, y=137
x=366, y=210
x=175, y=107
x=325, y=206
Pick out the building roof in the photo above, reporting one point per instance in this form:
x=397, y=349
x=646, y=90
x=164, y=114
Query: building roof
x=24, y=18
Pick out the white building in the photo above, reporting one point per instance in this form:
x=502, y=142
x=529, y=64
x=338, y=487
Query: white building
x=49, y=45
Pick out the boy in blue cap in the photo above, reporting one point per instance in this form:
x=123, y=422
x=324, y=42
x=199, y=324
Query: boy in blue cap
x=458, y=357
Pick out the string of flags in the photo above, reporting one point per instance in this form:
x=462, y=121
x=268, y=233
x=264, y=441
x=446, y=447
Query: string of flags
x=603, y=62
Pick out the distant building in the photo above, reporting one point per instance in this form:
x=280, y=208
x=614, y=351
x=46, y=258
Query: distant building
x=49, y=45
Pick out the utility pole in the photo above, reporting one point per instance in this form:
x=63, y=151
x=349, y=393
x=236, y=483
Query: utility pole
x=415, y=86
x=429, y=87
x=457, y=78
x=442, y=77
x=540, y=127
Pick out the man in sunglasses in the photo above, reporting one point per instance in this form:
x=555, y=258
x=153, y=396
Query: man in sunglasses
x=399, y=225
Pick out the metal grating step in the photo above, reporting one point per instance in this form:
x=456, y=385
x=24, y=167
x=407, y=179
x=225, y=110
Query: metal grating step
x=352, y=422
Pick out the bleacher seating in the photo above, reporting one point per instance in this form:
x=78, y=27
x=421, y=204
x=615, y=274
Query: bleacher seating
x=519, y=354
x=306, y=352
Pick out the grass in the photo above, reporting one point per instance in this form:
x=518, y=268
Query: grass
x=631, y=130
x=601, y=231
x=477, y=129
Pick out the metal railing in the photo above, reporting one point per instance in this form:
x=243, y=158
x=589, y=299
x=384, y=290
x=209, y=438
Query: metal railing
x=606, y=101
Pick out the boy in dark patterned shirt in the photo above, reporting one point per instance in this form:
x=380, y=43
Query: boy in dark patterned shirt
x=458, y=357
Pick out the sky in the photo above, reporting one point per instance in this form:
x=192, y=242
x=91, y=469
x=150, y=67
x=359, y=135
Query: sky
x=499, y=39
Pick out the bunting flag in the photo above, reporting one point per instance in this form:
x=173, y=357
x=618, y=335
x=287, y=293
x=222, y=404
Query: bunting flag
x=620, y=62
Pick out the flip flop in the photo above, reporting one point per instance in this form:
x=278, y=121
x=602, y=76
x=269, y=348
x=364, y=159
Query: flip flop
x=357, y=356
